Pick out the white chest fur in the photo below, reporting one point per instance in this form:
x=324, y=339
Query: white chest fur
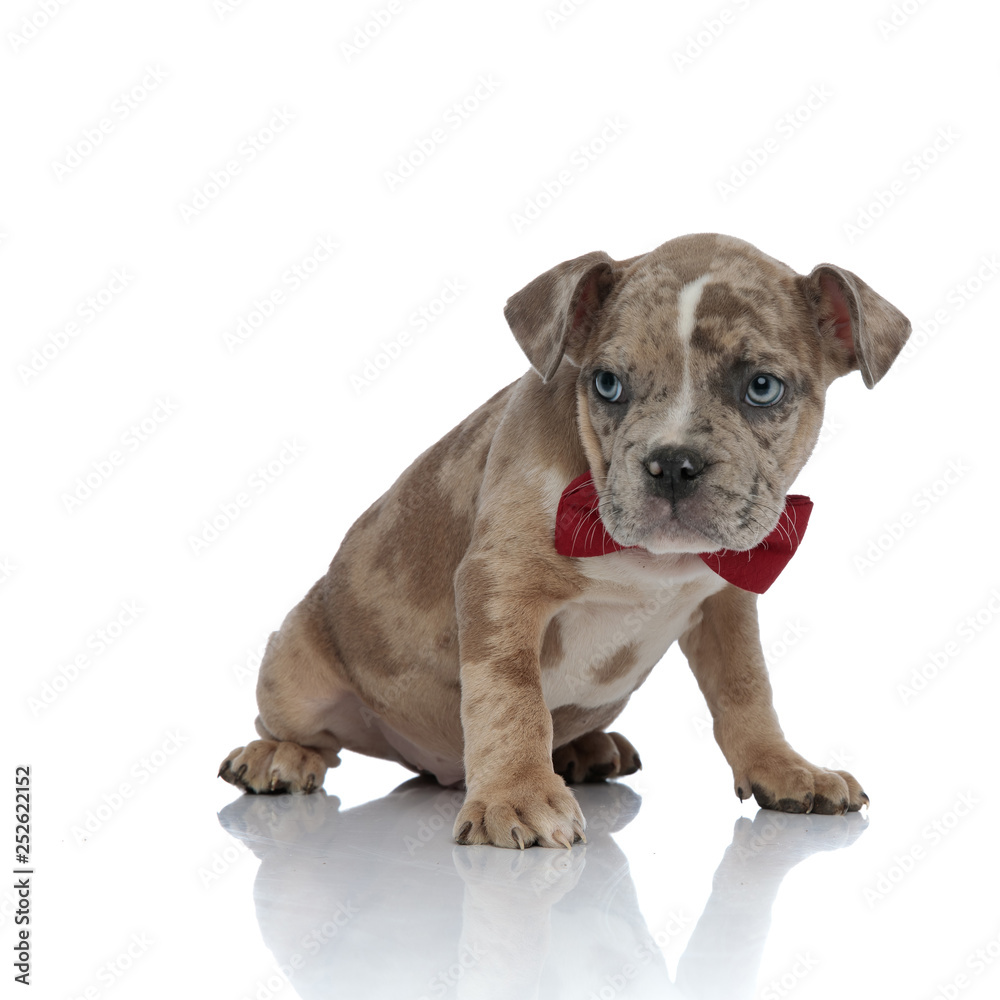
x=602, y=645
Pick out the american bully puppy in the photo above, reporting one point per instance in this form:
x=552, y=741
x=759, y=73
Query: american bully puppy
x=489, y=616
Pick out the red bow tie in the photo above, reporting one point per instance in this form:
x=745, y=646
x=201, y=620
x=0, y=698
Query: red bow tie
x=580, y=532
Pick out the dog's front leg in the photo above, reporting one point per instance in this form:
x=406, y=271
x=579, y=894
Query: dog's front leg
x=513, y=798
x=725, y=654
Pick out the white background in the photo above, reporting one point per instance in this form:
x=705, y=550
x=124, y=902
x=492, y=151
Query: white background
x=663, y=120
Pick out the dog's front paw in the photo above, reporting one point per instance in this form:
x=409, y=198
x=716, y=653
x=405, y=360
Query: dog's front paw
x=789, y=783
x=267, y=766
x=539, y=811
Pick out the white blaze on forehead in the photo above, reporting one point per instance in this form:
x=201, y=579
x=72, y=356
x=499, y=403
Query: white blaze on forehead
x=687, y=304
x=674, y=427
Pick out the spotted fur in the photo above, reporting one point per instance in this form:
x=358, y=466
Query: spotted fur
x=450, y=636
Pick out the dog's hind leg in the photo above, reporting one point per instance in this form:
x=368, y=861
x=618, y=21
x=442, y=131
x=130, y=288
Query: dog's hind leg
x=297, y=694
x=271, y=765
x=309, y=712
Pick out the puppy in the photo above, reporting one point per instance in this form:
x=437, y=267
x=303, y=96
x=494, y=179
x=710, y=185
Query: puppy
x=491, y=614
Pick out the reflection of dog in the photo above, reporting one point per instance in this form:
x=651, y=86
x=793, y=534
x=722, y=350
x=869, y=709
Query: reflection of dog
x=379, y=901
x=461, y=631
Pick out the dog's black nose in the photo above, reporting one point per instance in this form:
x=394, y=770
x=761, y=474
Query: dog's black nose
x=673, y=471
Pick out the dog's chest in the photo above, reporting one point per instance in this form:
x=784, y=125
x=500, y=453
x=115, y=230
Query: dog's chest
x=601, y=646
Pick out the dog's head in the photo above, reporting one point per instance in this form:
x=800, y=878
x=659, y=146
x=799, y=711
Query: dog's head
x=701, y=370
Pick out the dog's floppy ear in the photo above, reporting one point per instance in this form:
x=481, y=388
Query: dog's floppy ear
x=554, y=314
x=863, y=330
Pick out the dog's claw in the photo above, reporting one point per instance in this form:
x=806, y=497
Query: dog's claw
x=515, y=832
x=463, y=833
x=269, y=767
x=562, y=841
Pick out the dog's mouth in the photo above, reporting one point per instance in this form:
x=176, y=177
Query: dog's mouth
x=692, y=525
x=680, y=527
x=657, y=527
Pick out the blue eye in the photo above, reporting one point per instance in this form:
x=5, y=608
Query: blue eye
x=608, y=385
x=764, y=390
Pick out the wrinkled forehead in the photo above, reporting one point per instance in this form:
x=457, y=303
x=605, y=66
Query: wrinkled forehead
x=708, y=293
